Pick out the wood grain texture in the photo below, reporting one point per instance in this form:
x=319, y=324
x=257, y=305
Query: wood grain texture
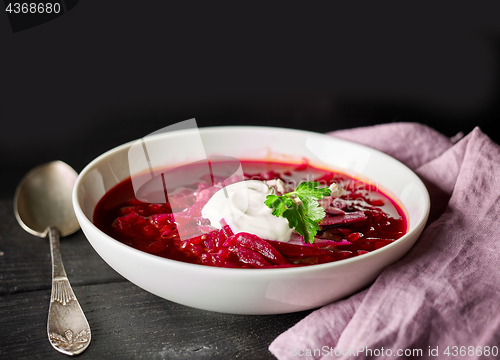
x=130, y=323
x=25, y=259
x=126, y=321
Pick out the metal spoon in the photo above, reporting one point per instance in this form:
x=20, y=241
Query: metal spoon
x=42, y=205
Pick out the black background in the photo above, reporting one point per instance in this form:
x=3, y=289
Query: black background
x=109, y=72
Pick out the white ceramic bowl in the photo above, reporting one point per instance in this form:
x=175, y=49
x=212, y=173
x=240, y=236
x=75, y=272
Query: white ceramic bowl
x=254, y=291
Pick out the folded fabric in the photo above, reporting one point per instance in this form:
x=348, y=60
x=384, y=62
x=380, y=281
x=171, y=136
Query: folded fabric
x=441, y=300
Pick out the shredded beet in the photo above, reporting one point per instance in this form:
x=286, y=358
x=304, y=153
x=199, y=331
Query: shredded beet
x=346, y=218
x=362, y=220
x=255, y=243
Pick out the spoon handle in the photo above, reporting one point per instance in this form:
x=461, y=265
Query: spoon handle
x=67, y=327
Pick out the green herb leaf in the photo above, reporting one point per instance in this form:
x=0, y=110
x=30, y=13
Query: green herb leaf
x=303, y=215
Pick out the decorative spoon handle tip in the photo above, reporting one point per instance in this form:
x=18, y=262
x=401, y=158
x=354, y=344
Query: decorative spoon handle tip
x=67, y=326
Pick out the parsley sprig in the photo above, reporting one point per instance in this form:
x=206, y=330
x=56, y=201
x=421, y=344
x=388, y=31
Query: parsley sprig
x=301, y=208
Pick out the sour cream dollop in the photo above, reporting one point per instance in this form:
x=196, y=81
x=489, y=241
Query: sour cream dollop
x=242, y=206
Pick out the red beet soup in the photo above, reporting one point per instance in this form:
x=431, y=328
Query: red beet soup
x=361, y=220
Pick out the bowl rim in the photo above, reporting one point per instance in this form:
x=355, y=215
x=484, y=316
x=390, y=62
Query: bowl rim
x=249, y=272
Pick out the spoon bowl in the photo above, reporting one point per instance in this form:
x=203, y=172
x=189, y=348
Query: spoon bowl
x=43, y=206
x=43, y=199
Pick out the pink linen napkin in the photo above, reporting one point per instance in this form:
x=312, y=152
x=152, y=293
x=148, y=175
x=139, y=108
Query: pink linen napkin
x=442, y=300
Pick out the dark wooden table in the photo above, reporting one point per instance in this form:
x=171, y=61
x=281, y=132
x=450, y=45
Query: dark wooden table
x=126, y=321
